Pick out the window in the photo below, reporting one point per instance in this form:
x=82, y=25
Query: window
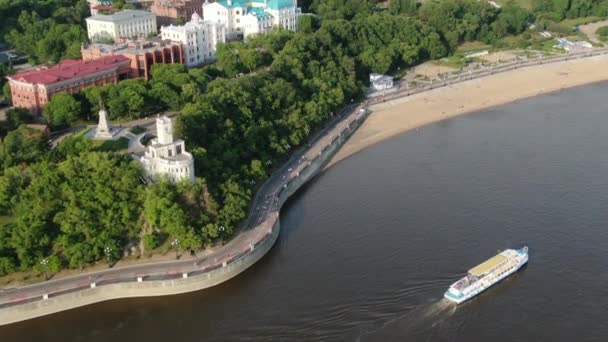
x=170, y=152
x=178, y=149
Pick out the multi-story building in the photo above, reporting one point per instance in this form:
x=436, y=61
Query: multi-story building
x=33, y=89
x=123, y=24
x=199, y=38
x=142, y=53
x=166, y=156
x=168, y=11
x=247, y=17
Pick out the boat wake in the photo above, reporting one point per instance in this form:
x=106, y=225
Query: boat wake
x=419, y=324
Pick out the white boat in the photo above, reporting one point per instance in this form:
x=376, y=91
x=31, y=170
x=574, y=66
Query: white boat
x=487, y=274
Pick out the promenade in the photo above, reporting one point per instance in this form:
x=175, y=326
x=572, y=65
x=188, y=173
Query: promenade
x=257, y=236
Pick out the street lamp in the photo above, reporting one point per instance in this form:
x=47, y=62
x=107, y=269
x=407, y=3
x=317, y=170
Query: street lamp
x=108, y=252
x=175, y=243
x=44, y=263
x=222, y=229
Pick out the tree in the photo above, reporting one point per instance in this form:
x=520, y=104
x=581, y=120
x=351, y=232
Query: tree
x=46, y=39
x=63, y=109
x=403, y=6
x=6, y=92
x=306, y=23
x=17, y=116
x=151, y=241
x=22, y=146
x=251, y=58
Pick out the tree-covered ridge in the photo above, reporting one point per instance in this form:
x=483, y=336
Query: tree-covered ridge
x=79, y=206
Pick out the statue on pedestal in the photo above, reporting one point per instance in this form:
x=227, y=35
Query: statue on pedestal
x=104, y=130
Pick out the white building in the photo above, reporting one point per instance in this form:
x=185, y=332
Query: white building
x=380, y=82
x=123, y=24
x=198, y=37
x=166, y=156
x=247, y=17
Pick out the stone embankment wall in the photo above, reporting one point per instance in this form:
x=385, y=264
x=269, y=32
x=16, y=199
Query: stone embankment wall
x=195, y=280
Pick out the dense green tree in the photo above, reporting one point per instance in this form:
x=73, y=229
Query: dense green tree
x=22, y=146
x=6, y=92
x=180, y=211
x=403, y=6
x=341, y=9
x=62, y=109
x=306, y=24
x=46, y=40
x=17, y=116
x=99, y=206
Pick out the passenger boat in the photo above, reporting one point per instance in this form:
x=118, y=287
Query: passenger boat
x=487, y=274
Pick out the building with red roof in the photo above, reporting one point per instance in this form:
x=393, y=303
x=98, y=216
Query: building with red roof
x=32, y=89
x=143, y=53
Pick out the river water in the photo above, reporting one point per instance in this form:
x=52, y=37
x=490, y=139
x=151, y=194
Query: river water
x=368, y=248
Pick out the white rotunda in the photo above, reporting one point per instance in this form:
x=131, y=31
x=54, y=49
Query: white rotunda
x=166, y=156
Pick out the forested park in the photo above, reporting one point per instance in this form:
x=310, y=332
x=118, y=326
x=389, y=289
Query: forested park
x=73, y=206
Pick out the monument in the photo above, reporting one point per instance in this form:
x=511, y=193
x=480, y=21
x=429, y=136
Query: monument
x=103, y=131
x=166, y=156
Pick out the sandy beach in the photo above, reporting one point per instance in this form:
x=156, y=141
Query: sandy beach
x=403, y=114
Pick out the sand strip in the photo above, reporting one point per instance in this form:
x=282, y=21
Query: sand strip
x=400, y=115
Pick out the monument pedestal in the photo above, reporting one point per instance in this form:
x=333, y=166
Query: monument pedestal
x=104, y=131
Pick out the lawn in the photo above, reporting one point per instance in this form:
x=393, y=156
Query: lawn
x=580, y=21
x=472, y=47
x=121, y=143
x=454, y=61
x=527, y=4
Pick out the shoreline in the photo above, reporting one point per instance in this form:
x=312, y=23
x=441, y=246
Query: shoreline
x=400, y=115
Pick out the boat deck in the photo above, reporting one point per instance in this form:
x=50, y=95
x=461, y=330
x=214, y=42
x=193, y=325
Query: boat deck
x=488, y=265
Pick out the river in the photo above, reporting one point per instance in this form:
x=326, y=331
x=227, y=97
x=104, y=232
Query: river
x=368, y=248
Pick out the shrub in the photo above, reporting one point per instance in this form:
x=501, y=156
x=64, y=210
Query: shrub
x=151, y=241
x=602, y=31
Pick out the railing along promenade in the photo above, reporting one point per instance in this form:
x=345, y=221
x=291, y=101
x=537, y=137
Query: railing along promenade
x=257, y=236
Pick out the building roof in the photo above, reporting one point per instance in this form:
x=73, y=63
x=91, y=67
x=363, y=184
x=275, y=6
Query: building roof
x=133, y=47
x=487, y=265
x=272, y=4
x=108, y=8
x=235, y=3
x=279, y=4
x=258, y=12
x=67, y=69
x=195, y=24
x=120, y=16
